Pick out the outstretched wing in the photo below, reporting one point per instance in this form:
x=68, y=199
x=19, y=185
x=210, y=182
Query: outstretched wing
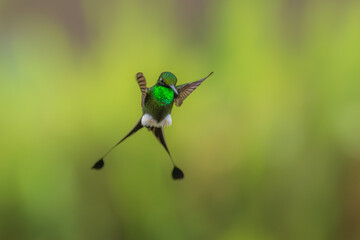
x=142, y=84
x=186, y=89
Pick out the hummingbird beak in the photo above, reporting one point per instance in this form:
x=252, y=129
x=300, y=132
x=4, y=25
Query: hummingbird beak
x=174, y=89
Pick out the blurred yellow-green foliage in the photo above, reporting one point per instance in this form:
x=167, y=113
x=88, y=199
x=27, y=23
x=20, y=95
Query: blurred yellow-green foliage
x=270, y=144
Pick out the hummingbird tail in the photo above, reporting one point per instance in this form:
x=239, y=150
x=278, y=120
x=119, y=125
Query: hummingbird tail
x=99, y=164
x=159, y=134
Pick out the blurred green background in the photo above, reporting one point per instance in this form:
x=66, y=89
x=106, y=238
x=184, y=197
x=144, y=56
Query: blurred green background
x=270, y=144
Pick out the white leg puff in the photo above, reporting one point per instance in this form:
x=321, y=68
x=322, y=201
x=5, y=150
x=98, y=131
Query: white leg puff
x=148, y=121
x=166, y=121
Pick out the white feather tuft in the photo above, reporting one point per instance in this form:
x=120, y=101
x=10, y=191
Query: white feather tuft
x=148, y=121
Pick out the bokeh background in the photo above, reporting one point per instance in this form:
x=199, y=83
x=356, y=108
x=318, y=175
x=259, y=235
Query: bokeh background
x=270, y=144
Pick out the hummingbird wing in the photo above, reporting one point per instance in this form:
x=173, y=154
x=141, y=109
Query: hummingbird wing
x=186, y=89
x=142, y=84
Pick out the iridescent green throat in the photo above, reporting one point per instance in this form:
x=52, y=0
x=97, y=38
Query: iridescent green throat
x=163, y=95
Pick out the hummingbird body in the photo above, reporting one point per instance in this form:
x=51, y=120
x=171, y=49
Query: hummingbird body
x=157, y=103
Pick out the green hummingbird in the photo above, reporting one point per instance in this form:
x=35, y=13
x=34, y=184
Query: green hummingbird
x=157, y=103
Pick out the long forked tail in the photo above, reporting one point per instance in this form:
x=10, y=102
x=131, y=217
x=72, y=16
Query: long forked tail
x=99, y=164
x=159, y=134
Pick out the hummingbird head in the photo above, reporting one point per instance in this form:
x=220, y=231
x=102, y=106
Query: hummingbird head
x=167, y=79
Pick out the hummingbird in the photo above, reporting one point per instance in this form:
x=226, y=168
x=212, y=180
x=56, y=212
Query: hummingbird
x=157, y=103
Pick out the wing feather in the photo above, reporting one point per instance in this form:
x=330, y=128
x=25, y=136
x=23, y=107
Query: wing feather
x=186, y=89
x=142, y=84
